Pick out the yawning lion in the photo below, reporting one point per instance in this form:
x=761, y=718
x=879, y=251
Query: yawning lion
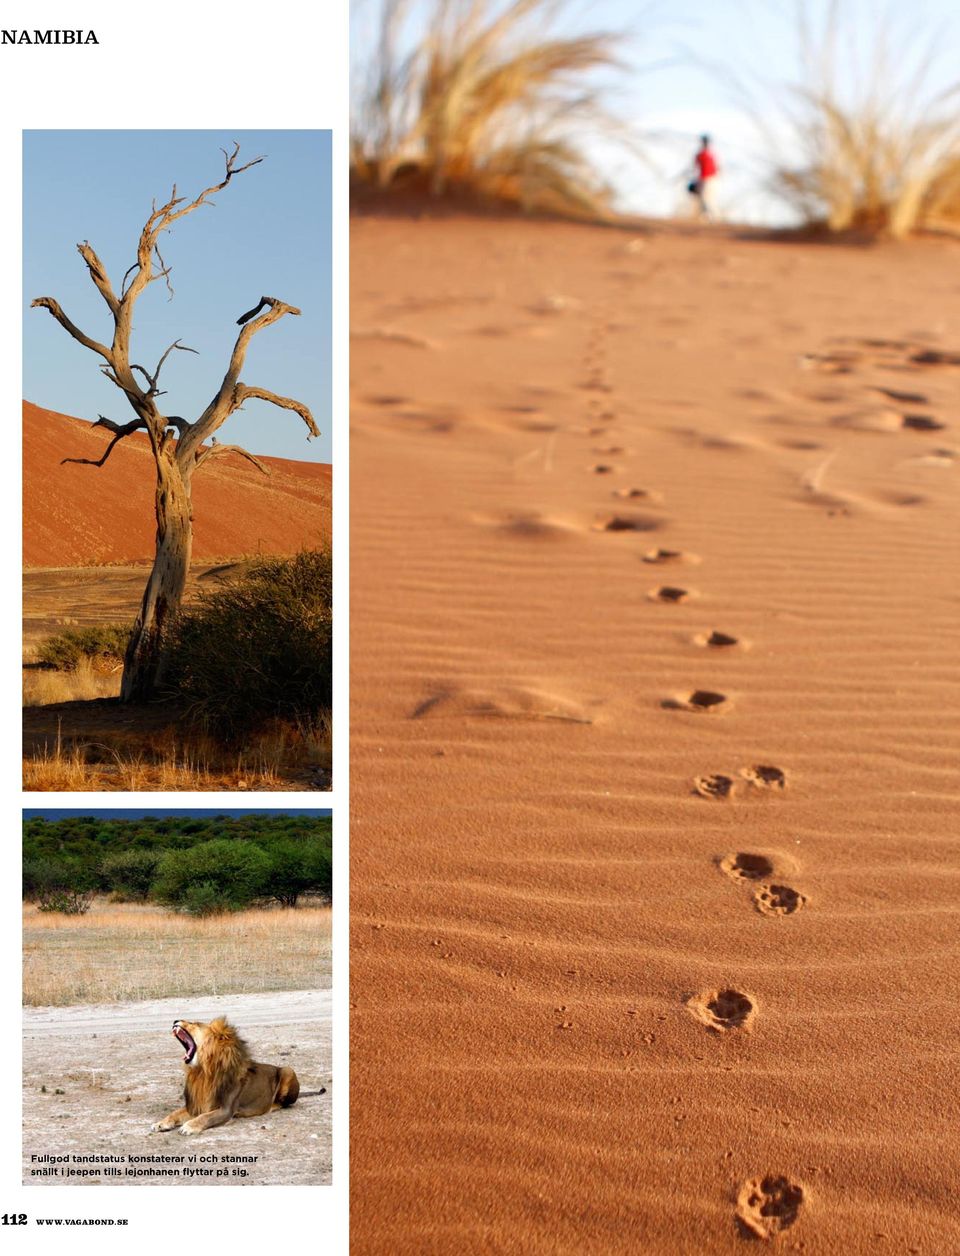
x=222, y=1081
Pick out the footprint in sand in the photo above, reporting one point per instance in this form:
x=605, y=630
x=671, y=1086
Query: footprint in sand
x=637, y=494
x=714, y=786
x=700, y=701
x=922, y=423
x=768, y=1205
x=765, y=776
x=717, y=640
x=669, y=593
x=778, y=900
x=935, y=357
x=723, y=1010
x=905, y=398
x=663, y=556
x=602, y=468
x=627, y=523
x=746, y=866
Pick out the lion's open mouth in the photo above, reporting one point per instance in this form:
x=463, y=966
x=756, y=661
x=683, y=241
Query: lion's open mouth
x=185, y=1040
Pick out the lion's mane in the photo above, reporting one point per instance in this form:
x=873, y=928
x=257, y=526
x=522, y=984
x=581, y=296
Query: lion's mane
x=222, y=1059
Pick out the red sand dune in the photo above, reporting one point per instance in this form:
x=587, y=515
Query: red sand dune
x=73, y=515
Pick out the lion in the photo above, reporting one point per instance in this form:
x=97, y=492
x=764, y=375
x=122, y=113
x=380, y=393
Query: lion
x=222, y=1081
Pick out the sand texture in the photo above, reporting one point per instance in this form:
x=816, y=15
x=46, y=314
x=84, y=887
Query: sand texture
x=77, y=515
x=655, y=638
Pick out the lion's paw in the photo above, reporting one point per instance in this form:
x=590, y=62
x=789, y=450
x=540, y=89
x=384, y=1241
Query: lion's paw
x=189, y=1128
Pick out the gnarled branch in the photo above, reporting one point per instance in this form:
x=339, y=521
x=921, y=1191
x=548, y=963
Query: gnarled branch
x=245, y=392
x=212, y=451
x=152, y=379
x=99, y=275
x=120, y=430
x=224, y=403
x=48, y=303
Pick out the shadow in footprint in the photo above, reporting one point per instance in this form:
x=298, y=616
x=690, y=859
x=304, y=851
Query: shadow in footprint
x=745, y=866
x=637, y=494
x=715, y=786
x=768, y=1205
x=669, y=593
x=701, y=700
x=723, y=1010
x=717, y=640
x=765, y=776
x=922, y=423
x=627, y=523
x=778, y=900
x=663, y=556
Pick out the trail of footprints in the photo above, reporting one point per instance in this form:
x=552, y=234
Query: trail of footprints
x=769, y=1204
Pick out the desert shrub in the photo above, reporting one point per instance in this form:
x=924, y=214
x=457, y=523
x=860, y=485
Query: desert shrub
x=230, y=874
x=258, y=650
x=487, y=102
x=59, y=885
x=873, y=144
x=129, y=874
x=66, y=649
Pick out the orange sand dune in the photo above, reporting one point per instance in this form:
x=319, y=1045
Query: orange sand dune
x=76, y=515
x=655, y=641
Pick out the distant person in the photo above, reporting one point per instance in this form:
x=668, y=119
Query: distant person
x=705, y=165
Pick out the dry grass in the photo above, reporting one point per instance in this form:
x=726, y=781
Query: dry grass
x=488, y=103
x=45, y=686
x=124, y=951
x=285, y=758
x=879, y=151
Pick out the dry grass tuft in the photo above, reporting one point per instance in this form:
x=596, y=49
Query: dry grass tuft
x=285, y=757
x=126, y=951
x=486, y=105
x=45, y=686
x=878, y=149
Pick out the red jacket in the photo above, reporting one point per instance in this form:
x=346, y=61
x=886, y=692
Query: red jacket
x=706, y=163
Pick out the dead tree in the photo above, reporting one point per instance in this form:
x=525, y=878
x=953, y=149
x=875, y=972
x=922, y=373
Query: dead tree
x=179, y=446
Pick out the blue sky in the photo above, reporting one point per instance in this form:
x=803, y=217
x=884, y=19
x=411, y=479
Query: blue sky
x=681, y=58
x=269, y=233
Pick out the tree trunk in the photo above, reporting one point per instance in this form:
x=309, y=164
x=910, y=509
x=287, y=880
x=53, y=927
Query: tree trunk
x=143, y=663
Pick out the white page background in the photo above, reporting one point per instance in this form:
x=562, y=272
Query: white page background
x=170, y=66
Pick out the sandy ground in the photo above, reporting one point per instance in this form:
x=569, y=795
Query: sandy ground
x=655, y=865
x=74, y=514
x=85, y=597
x=119, y=1069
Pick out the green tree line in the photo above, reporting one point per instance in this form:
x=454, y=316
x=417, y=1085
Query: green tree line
x=201, y=865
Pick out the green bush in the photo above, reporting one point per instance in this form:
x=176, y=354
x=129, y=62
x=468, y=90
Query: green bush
x=66, y=649
x=295, y=868
x=258, y=650
x=129, y=874
x=205, y=899
x=60, y=885
x=233, y=871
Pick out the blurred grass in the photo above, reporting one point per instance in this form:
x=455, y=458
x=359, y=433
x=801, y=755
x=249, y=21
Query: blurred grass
x=491, y=102
x=874, y=148
x=126, y=951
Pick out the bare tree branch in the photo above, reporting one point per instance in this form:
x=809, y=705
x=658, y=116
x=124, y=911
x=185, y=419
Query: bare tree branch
x=225, y=402
x=245, y=392
x=48, y=303
x=120, y=430
x=99, y=275
x=152, y=379
x=213, y=451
